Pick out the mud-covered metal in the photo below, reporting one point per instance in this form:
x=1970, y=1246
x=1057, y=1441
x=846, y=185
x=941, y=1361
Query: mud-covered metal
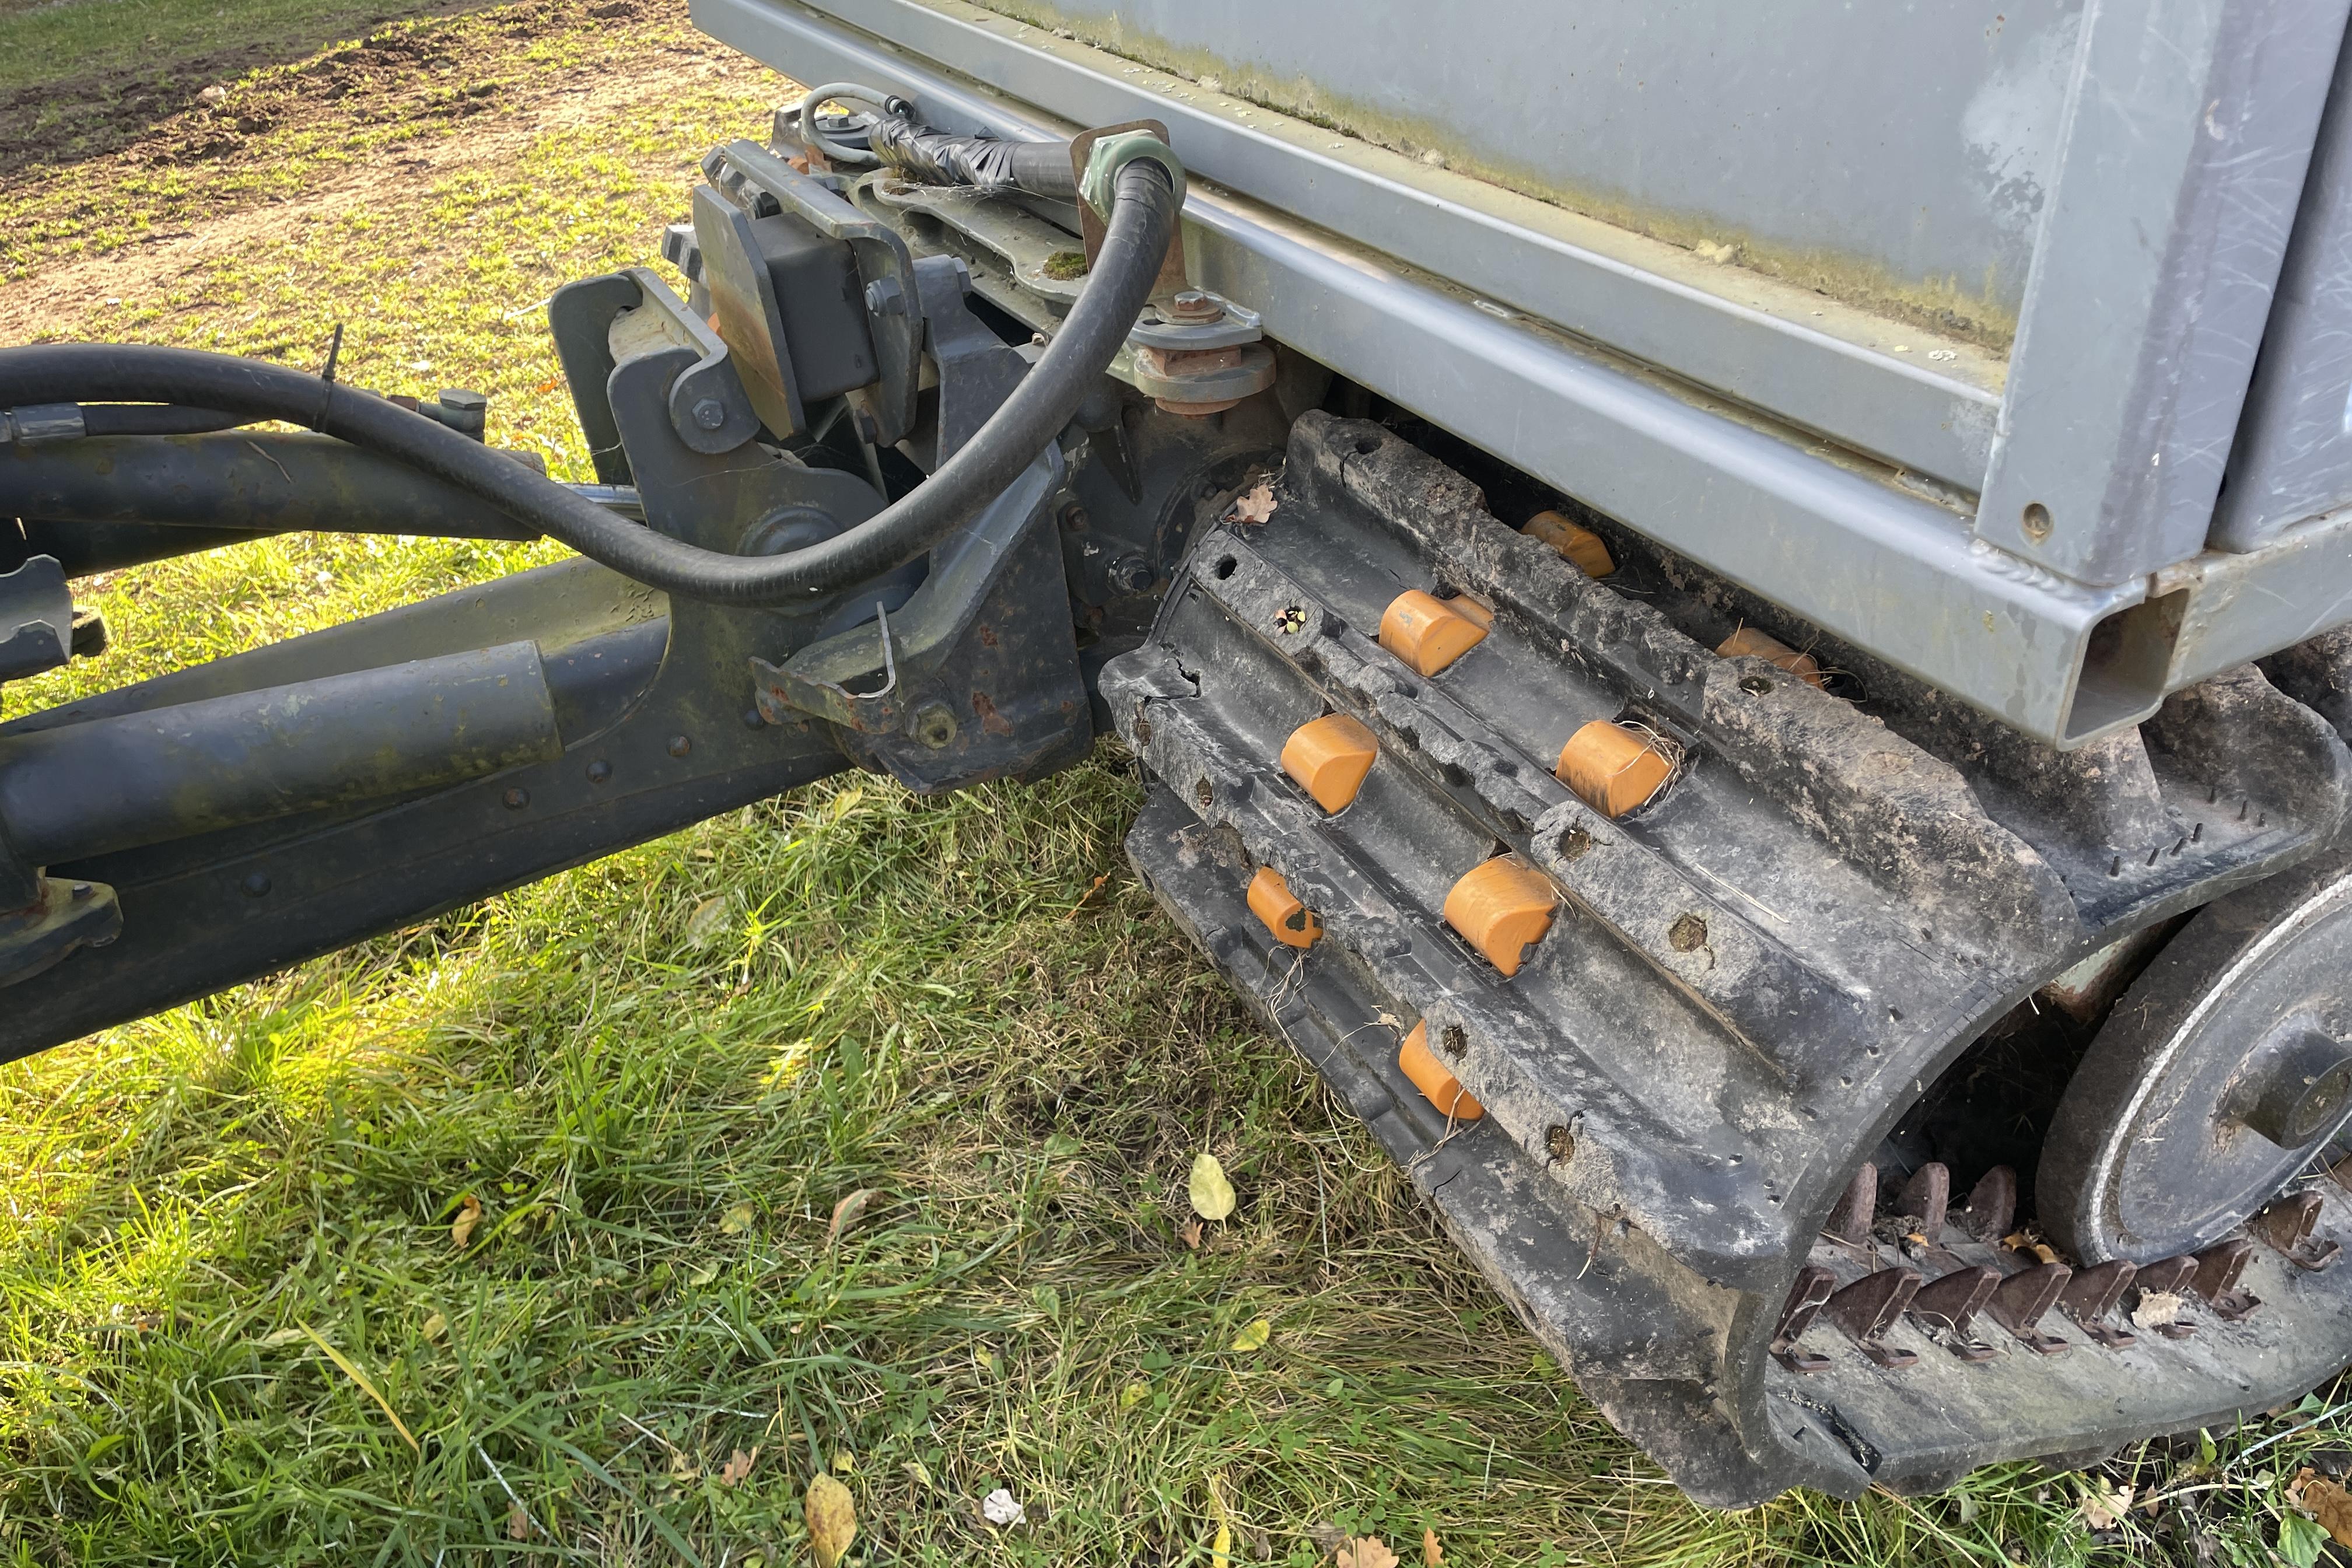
x=1747, y=983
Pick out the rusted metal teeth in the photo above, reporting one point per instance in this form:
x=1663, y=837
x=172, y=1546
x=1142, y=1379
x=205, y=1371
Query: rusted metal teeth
x=2286, y=1226
x=1991, y=1211
x=1927, y=1195
x=1951, y=1303
x=1812, y=1291
x=2219, y=1269
x=2167, y=1277
x=1869, y=1306
x=1849, y=1221
x=2091, y=1294
x=2020, y=1302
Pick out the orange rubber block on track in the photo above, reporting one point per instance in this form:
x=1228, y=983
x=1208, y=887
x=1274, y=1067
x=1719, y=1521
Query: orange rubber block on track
x=1328, y=758
x=1752, y=643
x=1425, y=632
x=1502, y=907
x=1585, y=550
x=1271, y=901
x=1419, y=1063
x=1611, y=768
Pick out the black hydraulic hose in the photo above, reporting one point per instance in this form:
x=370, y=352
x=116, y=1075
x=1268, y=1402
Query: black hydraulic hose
x=155, y=419
x=1142, y=219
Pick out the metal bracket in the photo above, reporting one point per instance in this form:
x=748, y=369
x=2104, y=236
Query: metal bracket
x=709, y=410
x=884, y=268
x=36, y=618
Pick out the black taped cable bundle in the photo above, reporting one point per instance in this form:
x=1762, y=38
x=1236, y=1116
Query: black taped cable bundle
x=987, y=164
x=1142, y=219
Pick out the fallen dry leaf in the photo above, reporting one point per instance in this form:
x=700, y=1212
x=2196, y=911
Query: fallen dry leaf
x=1366, y=1551
x=849, y=1211
x=1189, y=1233
x=2156, y=1310
x=518, y=1522
x=737, y=1219
x=2328, y=1504
x=435, y=1326
x=1256, y=506
x=2104, y=1503
x=737, y=1467
x=832, y=1517
x=1211, y=1195
x=2021, y=1241
x=469, y=1215
x=1431, y=1553
x=1254, y=1336
x=702, y=927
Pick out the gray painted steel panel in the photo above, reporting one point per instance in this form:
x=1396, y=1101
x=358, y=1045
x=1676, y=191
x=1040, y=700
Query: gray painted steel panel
x=1859, y=556
x=2294, y=457
x=2188, y=133
x=1805, y=357
x=1831, y=536
x=1909, y=136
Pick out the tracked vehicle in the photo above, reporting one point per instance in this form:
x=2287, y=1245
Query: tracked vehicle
x=1744, y=647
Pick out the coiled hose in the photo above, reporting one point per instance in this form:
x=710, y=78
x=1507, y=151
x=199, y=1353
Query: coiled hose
x=1142, y=219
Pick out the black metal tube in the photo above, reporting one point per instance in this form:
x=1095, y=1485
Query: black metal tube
x=267, y=482
x=115, y=783
x=1135, y=243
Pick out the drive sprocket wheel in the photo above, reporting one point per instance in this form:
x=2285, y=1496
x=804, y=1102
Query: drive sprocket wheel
x=2221, y=1074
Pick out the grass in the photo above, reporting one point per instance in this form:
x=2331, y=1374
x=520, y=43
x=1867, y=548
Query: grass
x=240, y=1328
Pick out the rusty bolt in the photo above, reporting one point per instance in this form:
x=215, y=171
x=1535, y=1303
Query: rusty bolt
x=516, y=797
x=1196, y=305
x=599, y=771
x=679, y=746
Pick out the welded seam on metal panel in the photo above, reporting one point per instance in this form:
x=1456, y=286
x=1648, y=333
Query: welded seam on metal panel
x=1868, y=563
x=1490, y=241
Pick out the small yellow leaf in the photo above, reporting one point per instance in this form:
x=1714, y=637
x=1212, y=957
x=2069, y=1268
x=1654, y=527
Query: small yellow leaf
x=469, y=1215
x=737, y=1219
x=845, y=1463
x=920, y=1472
x=1211, y=1195
x=986, y=1358
x=1433, y=1555
x=703, y=925
x=1254, y=1336
x=1133, y=1394
x=704, y=1274
x=1220, y=1551
x=832, y=1519
x=435, y=1326
x=1366, y=1551
x=737, y=1467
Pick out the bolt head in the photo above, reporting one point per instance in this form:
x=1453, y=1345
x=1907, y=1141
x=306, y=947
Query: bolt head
x=709, y=414
x=885, y=298
x=934, y=726
x=1131, y=574
x=1196, y=305
x=599, y=771
x=679, y=746
x=460, y=398
x=82, y=890
x=516, y=797
x=256, y=885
